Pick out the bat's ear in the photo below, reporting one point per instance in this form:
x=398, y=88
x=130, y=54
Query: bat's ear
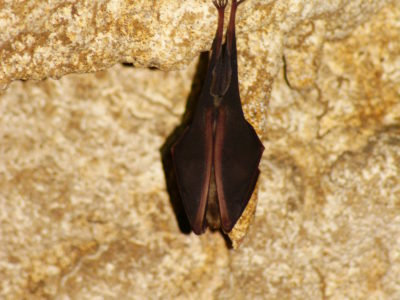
x=221, y=74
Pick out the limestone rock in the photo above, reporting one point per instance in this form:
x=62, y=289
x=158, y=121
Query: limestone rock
x=83, y=201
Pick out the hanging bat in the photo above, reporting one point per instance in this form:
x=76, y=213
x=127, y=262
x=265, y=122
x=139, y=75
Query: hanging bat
x=216, y=159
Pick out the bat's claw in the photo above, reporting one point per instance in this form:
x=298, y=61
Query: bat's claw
x=220, y=4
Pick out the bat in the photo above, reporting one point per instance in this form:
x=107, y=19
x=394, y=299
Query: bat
x=216, y=159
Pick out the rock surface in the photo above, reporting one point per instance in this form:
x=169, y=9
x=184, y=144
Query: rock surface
x=83, y=201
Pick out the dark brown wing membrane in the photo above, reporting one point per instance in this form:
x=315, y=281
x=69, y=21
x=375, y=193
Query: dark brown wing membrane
x=192, y=156
x=238, y=152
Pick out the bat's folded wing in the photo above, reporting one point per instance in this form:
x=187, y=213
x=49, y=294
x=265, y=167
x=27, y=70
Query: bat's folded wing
x=192, y=158
x=237, y=155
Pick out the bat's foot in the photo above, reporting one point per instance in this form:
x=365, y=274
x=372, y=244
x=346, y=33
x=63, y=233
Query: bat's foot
x=220, y=4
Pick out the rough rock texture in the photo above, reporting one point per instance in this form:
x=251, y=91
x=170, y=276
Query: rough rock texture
x=84, y=211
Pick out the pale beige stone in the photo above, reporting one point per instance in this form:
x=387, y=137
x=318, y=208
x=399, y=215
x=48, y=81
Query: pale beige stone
x=84, y=211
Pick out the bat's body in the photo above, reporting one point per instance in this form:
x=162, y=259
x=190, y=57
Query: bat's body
x=216, y=159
